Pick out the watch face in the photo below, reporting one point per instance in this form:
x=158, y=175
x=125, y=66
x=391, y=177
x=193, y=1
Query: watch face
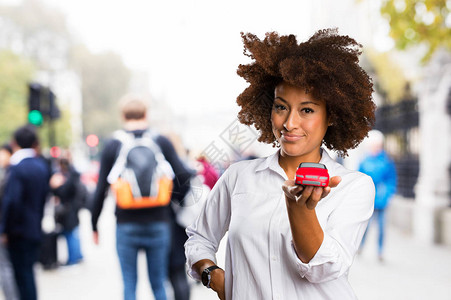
x=206, y=275
x=205, y=278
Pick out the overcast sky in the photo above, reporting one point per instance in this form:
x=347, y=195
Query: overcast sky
x=190, y=49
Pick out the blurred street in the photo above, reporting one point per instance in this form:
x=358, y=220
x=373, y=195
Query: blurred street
x=411, y=270
x=64, y=75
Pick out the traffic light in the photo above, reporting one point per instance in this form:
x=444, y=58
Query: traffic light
x=35, y=117
x=54, y=112
x=34, y=96
x=55, y=152
x=42, y=104
x=92, y=140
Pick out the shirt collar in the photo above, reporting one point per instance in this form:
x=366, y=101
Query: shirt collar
x=22, y=154
x=325, y=158
x=272, y=163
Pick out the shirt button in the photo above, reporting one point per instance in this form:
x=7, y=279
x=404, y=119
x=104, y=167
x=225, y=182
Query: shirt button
x=274, y=258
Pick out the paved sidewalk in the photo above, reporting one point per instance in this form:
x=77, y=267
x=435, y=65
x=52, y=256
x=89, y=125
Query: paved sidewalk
x=411, y=270
x=99, y=276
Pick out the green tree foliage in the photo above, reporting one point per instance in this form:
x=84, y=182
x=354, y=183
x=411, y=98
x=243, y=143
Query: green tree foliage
x=15, y=73
x=40, y=36
x=40, y=33
x=105, y=79
x=414, y=22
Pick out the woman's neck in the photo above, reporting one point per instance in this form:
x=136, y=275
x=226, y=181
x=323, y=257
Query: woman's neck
x=291, y=163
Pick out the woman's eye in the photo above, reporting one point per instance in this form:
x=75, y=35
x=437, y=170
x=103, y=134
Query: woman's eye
x=279, y=107
x=307, y=110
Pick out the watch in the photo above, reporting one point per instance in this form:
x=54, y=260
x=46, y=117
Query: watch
x=206, y=275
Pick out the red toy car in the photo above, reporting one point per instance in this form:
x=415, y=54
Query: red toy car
x=312, y=174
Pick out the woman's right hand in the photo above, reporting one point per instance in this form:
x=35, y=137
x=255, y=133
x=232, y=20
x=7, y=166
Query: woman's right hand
x=218, y=282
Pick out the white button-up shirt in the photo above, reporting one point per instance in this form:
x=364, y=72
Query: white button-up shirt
x=261, y=263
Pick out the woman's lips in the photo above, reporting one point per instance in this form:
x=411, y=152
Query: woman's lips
x=289, y=137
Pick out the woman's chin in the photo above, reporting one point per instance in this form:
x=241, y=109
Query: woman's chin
x=290, y=150
x=296, y=151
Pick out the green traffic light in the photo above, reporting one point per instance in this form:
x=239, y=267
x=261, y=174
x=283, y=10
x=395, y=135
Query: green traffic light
x=35, y=117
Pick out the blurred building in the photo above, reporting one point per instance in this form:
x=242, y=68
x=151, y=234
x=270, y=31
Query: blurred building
x=432, y=209
x=417, y=137
x=416, y=127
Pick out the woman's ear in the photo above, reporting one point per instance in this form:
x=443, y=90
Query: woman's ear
x=329, y=121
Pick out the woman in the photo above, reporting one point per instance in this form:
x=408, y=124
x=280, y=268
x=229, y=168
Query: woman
x=287, y=241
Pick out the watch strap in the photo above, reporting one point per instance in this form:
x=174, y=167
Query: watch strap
x=206, y=277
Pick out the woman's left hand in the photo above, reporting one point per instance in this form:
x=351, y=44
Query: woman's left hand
x=307, y=195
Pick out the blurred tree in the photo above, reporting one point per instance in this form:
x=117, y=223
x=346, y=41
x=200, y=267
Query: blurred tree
x=105, y=79
x=15, y=73
x=39, y=32
x=36, y=31
x=389, y=78
x=414, y=22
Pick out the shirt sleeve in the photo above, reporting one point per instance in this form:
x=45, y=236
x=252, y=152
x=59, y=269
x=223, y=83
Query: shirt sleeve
x=205, y=234
x=13, y=194
x=342, y=233
x=107, y=160
x=182, y=173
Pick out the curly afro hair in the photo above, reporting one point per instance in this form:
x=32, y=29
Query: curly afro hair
x=327, y=65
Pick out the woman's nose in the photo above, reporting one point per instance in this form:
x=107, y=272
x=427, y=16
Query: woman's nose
x=292, y=121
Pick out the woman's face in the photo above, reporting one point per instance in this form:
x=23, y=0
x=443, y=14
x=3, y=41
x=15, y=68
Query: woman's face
x=299, y=122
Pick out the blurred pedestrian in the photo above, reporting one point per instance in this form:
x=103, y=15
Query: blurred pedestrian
x=5, y=156
x=177, y=260
x=208, y=172
x=70, y=194
x=131, y=162
x=288, y=241
x=23, y=202
x=380, y=167
x=7, y=281
x=177, y=269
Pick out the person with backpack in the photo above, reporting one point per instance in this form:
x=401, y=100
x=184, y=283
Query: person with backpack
x=146, y=174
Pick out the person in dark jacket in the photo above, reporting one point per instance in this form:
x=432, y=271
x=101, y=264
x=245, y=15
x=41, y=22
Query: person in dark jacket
x=70, y=193
x=7, y=281
x=23, y=208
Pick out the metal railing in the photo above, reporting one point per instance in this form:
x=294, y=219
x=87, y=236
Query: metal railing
x=399, y=123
